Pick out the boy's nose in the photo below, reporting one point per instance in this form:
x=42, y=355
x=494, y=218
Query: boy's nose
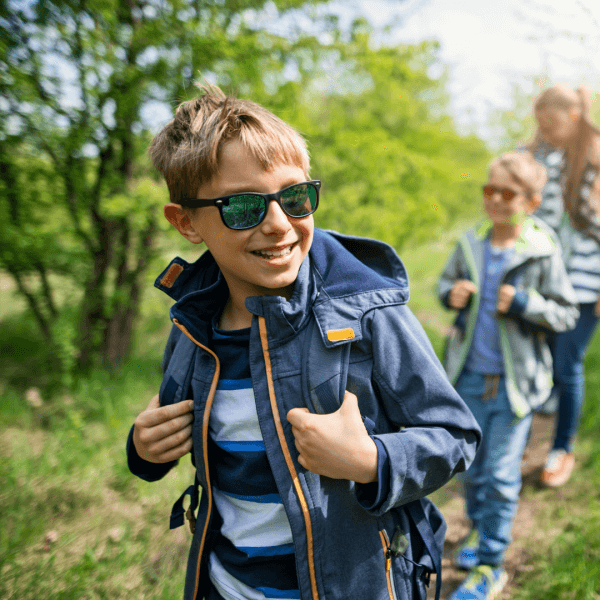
x=276, y=221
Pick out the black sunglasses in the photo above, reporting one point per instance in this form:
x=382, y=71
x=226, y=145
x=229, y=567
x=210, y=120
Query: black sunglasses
x=506, y=193
x=247, y=210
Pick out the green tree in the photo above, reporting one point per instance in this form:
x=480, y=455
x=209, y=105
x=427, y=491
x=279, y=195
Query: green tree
x=77, y=195
x=392, y=164
x=79, y=199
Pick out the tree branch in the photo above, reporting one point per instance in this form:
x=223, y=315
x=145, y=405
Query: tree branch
x=42, y=321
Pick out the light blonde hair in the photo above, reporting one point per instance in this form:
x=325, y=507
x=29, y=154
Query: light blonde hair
x=524, y=169
x=186, y=151
x=587, y=143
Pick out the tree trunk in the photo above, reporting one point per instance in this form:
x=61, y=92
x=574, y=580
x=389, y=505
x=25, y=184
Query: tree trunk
x=93, y=313
x=127, y=296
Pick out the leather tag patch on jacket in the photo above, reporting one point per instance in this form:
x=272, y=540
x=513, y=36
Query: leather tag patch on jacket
x=336, y=335
x=171, y=275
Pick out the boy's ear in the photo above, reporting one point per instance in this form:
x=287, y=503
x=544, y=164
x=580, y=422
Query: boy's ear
x=534, y=202
x=182, y=222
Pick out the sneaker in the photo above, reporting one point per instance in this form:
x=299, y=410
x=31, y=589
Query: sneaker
x=558, y=468
x=466, y=555
x=482, y=583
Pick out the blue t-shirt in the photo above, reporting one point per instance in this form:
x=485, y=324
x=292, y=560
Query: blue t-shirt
x=485, y=355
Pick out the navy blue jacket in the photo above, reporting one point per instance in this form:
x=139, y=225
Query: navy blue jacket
x=357, y=290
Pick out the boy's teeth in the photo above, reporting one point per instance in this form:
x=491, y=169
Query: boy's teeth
x=273, y=253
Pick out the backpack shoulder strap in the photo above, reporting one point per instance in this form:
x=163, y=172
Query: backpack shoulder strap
x=178, y=366
x=417, y=514
x=325, y=372
x=324, y=381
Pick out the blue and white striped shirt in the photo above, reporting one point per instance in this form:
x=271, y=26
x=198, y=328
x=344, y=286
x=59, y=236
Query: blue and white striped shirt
x=253, y=557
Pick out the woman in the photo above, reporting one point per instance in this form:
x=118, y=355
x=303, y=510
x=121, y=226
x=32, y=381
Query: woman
x=563, y=118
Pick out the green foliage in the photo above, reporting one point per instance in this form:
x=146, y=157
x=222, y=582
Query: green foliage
x=79, y=199
x=516, y=125
x=77, y=195
x=391, y=168
x=75, y=523
x=67, y=475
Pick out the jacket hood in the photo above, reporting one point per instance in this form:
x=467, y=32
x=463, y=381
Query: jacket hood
x=342, y=278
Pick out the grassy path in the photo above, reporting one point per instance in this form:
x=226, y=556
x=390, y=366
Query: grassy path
x=533, y=507
x=75, y=525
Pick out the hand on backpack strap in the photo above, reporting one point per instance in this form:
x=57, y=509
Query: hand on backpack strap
x=506, y=293
x=162, y=434
x=461, y=293
x=336, y=445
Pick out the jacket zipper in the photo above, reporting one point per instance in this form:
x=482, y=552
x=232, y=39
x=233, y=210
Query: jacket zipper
x=473, y=309
x=514, y=394
x=288, y=459
x=209, y=401
x=387, y=552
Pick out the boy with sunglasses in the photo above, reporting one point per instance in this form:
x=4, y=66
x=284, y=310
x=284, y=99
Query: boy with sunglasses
x=294, y=504
x=508, y=282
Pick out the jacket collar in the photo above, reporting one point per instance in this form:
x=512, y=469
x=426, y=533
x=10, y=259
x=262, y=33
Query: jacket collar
x=342, y=278
x=534, y=240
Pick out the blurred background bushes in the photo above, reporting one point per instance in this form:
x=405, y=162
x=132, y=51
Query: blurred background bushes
x=85, y=85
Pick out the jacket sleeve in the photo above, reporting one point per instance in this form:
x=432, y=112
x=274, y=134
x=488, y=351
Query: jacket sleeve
x=439, y=435
x=141, y=468
x=552, y=304
x=453, y=271
x=144, y=469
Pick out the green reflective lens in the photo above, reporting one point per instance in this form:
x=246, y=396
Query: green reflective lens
x=299, y=200
x=243, y=211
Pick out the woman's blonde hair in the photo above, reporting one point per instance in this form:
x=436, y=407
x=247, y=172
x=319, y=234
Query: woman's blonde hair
x=524, y=169
x=186, y=151
x=587, y=144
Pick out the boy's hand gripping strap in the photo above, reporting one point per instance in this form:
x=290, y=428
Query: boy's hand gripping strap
x=324, y=380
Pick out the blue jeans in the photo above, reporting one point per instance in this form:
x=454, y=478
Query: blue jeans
x=493, y=481
x=569, y=351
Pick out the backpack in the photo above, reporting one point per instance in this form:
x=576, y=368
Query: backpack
x=324, y=381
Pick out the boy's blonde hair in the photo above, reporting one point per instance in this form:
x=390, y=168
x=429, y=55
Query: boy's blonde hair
x=524, y=169
x=186, y=151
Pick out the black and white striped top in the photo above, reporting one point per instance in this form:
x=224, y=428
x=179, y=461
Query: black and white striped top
x=551, y=209
x=581, y=253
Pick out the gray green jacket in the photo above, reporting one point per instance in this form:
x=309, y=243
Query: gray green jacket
x=544, y=302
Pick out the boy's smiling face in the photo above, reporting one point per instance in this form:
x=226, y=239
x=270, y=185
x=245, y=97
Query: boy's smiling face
x=264, y=259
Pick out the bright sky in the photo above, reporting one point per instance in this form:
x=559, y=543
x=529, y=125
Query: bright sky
x=490, y=44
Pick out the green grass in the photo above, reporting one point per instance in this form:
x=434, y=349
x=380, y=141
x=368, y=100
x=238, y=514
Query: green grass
x=63, y=470
x=566, y=564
